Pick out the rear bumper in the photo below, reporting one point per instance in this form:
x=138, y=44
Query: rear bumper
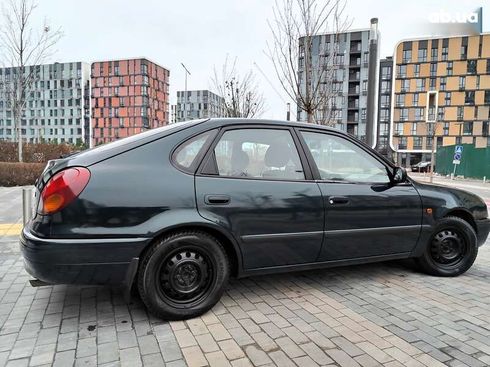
x=482, y=230
x=80, y=261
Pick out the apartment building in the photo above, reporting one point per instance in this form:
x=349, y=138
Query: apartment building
x=348, y=54
x=128, y=96
x=441, y=90
x=198, y=104
x=385, y=87
x=57, y=104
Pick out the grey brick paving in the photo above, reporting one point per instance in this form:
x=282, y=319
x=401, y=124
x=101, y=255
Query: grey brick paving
x=371, y=315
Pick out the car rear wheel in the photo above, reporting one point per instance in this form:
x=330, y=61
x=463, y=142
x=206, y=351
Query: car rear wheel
x=451, y=250
x=183, y=275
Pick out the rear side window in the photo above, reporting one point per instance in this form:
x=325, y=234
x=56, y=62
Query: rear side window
x=186, y=155
x=259, y=154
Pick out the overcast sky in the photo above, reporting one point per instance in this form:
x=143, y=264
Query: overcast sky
x=202, y=33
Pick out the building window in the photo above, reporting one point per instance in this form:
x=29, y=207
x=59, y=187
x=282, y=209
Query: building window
x=464, y=52
x=445, y=128
x=402, y=143
x=469, y=98
x=386, y=72
x=385, y=100
x=462, y=82
x=447, y=99
x=364, y=85
x=415, y=99
x=405, y=87
x=416, y=69
x=433, y=69
x=420, y=85
x=433, y=54
x=413, y=130
x=443, y=82
x=419, y=114
x=444, y=54
x=485, y=129
x=404, y=114
x=460, y=113
x=422, y=55
x=402, y=71
x=417, y=142
x=432, y=83
x=384, y=114
x=400, y=100
x=488, y=66
x=471, y=66
x=487, y=97
x=364, y=114
x=385, y=86
x=440, y=113
x=407, y=56
x=449, y=68
x=468, y=128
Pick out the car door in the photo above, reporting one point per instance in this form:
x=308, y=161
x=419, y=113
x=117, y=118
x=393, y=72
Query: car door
x=365, y=213
x=255, y=183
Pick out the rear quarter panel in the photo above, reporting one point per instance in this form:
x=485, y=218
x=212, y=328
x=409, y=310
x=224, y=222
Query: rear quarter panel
x=137, y=193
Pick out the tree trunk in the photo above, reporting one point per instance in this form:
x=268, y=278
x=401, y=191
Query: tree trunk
x=309, y=115
x=17, y=123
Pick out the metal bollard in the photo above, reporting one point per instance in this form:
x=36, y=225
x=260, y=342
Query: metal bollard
x=26, y=204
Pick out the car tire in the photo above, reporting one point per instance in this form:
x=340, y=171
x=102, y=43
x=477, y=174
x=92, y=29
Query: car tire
x=451, y=249
x=183, y=275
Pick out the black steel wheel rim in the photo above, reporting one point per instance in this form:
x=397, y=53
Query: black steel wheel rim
x=185, y=276
x=448, y=248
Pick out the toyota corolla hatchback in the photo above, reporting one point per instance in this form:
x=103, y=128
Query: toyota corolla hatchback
x=175, y=211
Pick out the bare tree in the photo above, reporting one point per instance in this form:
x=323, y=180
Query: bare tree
x=241, y=95
x=22, y=49
x=308, y=78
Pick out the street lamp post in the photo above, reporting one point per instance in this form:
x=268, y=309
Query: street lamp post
x=185, y=89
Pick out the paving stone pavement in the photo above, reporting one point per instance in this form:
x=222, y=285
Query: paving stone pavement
x=369, y=315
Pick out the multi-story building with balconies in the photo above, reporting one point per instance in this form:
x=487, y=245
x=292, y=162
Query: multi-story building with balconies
x=350, y=63
x=442, y=90
x=384, y=106
x=128, y=97
x=198, y=104
x=57, y=104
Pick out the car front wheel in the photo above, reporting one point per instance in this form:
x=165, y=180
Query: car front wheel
x=183, y=275
x=452, y=248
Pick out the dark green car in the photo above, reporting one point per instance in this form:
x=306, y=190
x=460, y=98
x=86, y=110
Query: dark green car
x=175, y=211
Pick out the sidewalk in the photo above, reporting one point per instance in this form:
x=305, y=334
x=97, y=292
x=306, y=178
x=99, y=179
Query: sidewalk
x=458, y=180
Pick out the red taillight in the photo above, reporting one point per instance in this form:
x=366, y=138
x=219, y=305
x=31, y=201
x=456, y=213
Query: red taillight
x=62, y=188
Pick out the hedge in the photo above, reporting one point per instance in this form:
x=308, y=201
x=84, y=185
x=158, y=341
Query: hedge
x=19, y=174
x=34, y=152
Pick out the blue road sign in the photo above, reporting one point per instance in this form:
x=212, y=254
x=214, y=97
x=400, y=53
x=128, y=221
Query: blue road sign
x=458, y=149
x=457, y=156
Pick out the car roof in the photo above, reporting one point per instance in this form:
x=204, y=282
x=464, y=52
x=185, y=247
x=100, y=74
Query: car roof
x=251, y=121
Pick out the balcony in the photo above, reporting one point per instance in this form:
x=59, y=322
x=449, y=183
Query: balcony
x=354, y=77
x=355, y=47
x=354, y=91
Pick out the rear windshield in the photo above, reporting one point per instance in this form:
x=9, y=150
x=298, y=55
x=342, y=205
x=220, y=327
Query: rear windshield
x=132, y=138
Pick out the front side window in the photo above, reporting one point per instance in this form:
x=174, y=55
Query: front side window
x=338, y=159
x=258, y=153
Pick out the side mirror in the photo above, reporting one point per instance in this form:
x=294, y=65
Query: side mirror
x=399, y=175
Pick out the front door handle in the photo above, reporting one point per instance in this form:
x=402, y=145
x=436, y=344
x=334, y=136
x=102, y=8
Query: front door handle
x=216, y=199
x=334, y=200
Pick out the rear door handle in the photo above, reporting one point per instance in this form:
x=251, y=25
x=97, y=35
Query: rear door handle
x=216, y=199
x=333, y=200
